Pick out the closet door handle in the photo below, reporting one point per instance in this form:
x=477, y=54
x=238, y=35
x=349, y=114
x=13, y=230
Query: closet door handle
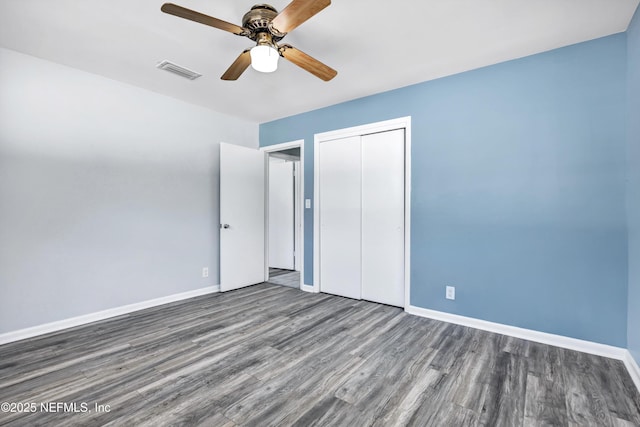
x=225, y=226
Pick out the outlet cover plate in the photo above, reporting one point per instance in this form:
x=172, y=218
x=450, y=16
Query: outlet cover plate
x=450, y=292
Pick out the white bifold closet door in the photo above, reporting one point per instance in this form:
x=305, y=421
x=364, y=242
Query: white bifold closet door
x=362, y=217
x=383, y=217
x=340, y=217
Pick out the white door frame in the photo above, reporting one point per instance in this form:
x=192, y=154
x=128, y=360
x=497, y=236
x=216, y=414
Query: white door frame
x=298, y=192
x=271, y=149
x=387, y=125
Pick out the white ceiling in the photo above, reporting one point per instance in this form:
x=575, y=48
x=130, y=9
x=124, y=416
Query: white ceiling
x=375, y=46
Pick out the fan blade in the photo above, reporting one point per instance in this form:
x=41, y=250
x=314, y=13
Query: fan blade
x=296, y=13
x=310, y=64
x=239, y=65
x=192, y=15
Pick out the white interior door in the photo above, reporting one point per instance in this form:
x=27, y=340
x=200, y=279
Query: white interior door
x=281, y=214
x=383, y=217
x=242, y=221
x=340, y=217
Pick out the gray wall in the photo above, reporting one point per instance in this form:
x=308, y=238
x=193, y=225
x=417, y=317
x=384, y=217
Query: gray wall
x=108, y=193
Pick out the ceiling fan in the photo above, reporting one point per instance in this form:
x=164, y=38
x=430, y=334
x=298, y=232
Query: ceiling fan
x=264, y=25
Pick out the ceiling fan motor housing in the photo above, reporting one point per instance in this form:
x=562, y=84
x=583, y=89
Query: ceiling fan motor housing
x=258, y=21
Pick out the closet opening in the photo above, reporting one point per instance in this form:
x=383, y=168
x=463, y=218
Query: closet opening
x=362, y=212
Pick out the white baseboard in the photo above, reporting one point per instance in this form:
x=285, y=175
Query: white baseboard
x=527, y=334
x=633, y=368
x=308, y=288
x=101, y=315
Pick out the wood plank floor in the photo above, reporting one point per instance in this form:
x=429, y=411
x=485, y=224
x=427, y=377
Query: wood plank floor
x=290, y=278
x=270, y=355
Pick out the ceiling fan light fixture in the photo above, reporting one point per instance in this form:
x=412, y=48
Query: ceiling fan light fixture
x=264, y=58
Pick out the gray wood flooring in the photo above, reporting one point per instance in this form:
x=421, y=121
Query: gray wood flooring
x=270, y=355
x=290, y=278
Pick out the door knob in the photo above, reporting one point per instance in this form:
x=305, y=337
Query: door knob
x=224, y=225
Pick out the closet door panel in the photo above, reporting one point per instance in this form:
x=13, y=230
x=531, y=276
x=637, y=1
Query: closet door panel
x=340, y=209
x=383, y=217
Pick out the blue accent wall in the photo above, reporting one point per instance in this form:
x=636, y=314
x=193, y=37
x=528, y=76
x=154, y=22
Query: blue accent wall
x=518, y=188
x=633, y=183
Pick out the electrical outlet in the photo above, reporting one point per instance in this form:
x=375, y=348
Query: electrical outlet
x=451, y=292
x=205, y=272
x=307, y=203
